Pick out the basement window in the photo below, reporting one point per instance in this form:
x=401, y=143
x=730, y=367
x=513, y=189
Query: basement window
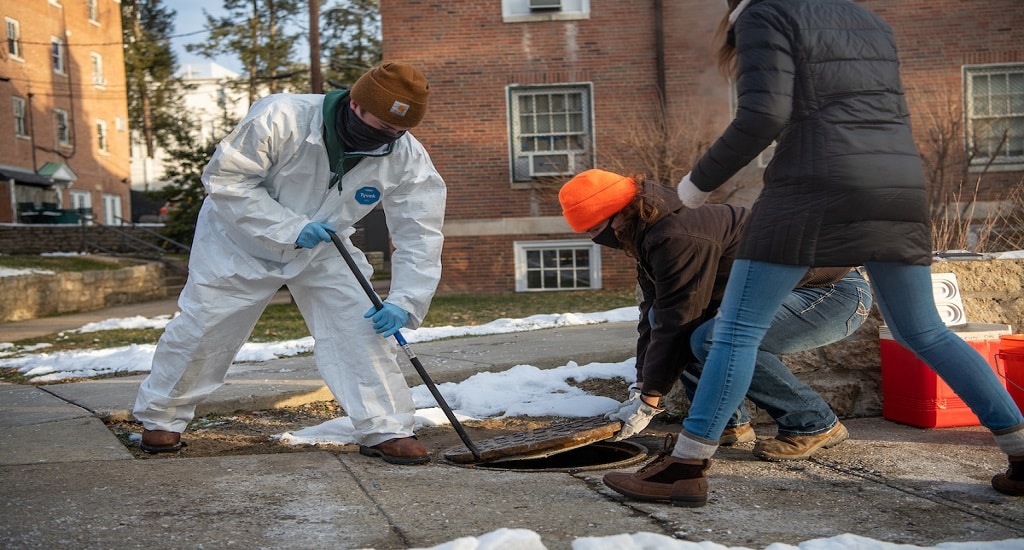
x=557, y=265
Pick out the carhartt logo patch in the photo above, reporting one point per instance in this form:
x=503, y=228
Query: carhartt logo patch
x=399, y=108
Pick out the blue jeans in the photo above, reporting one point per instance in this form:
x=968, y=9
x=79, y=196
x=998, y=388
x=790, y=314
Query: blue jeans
x=808, y=318
x=904, y=296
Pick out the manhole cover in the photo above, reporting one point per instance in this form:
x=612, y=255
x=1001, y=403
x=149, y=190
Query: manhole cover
x=556, y=438
x=603, y=455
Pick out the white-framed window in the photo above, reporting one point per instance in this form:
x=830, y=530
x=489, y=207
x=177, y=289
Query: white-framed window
x=20, y=117
x=522, y=11
x=557, y=265
x=552, y=131
x=62, y=124
x=101, y=136
x=96, y=60
x=82, y=201
x=111, y=209
x=92, y=6
x=13, y=37
x=57, y=55
x=995, y=113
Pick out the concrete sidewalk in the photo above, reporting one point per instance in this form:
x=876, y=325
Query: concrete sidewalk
x=67, y=481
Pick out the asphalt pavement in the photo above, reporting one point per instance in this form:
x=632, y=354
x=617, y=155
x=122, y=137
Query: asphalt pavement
x=67, y=481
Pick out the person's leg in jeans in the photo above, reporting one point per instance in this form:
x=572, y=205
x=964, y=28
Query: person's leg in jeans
x=904, y=295
x=753, y=295
x=754, y=292
x=808, y=318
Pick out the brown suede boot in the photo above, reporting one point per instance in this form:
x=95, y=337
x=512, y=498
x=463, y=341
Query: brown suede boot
x=666, y=478
x=1012, y=482
x=160, y=441
x=400, y=450
x=799, y=447
x=737, y=434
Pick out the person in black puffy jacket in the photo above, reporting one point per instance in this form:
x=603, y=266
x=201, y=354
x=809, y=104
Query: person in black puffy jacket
x=821, y=79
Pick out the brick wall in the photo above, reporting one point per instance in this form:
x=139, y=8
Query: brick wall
x=480, y=265
x=471, y=57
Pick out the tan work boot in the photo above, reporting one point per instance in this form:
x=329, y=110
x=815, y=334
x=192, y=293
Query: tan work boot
x=799, y=447
x=667, y=478
x=1012, y=482
x=737, y=434
x=400, y=450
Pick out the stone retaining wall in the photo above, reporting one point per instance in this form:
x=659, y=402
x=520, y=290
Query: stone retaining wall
x=847, y=374
x=38, y=295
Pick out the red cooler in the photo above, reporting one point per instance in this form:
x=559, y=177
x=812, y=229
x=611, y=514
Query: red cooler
x=913, y=394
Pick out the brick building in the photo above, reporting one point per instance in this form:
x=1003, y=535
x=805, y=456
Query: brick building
x=65, y=150
x=527, y=93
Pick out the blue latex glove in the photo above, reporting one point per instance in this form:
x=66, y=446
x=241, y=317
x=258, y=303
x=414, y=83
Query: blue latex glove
x=388, y=319
x=313, y=234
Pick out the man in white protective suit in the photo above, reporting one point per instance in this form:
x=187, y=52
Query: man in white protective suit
x=294, y=169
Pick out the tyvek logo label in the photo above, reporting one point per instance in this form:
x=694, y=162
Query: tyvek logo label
x=367, y=195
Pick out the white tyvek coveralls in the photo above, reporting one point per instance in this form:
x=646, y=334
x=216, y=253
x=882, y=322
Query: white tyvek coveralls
x=266, y=181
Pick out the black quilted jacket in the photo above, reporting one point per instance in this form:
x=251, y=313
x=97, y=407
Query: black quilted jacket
x=846, y=186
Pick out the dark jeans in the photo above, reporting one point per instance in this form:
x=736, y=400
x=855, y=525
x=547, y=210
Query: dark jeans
x=808, y=318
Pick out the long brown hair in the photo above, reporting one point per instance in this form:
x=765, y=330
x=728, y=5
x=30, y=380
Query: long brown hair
x=635, y=215
x=726, y=51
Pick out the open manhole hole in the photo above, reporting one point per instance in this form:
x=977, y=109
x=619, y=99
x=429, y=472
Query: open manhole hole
x=602, y=455
x=568, y=446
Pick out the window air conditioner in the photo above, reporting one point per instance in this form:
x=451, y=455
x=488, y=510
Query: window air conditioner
x=536, y=5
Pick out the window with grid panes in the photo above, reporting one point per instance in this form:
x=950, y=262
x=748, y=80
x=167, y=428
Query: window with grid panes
x=557, y=265
x=552, y=134
x=13, y=38
x=57, y=55
x=63, y=130
x=995, y=113
x=20, y=124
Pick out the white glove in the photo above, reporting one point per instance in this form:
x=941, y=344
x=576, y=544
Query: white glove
x=635, y=415
x=690, y=195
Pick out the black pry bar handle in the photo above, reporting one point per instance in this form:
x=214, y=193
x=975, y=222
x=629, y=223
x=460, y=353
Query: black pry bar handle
x=347, y=256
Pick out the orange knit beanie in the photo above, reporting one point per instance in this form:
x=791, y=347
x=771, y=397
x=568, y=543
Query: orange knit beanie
x=394, y=92
x=594, y=196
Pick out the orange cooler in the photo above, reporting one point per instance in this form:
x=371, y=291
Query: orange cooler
x=913, y=394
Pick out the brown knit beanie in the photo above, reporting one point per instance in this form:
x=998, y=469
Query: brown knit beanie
x=594, y=196
x=394, y=92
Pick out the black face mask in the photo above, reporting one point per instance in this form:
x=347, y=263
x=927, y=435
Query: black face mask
x=607, y=237
x=357, y=135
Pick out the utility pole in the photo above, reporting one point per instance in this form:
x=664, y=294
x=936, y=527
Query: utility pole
x=316, y=80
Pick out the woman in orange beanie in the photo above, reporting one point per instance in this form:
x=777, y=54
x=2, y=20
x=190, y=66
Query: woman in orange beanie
x=683, y=260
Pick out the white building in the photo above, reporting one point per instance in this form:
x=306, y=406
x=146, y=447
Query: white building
x=208, y=100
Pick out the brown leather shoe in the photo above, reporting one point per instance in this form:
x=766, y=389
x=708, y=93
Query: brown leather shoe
x=160, y=441
x=737, y=434
x=400, y=450
x=799, y=447
x=667, y=478
x=1012, y=482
